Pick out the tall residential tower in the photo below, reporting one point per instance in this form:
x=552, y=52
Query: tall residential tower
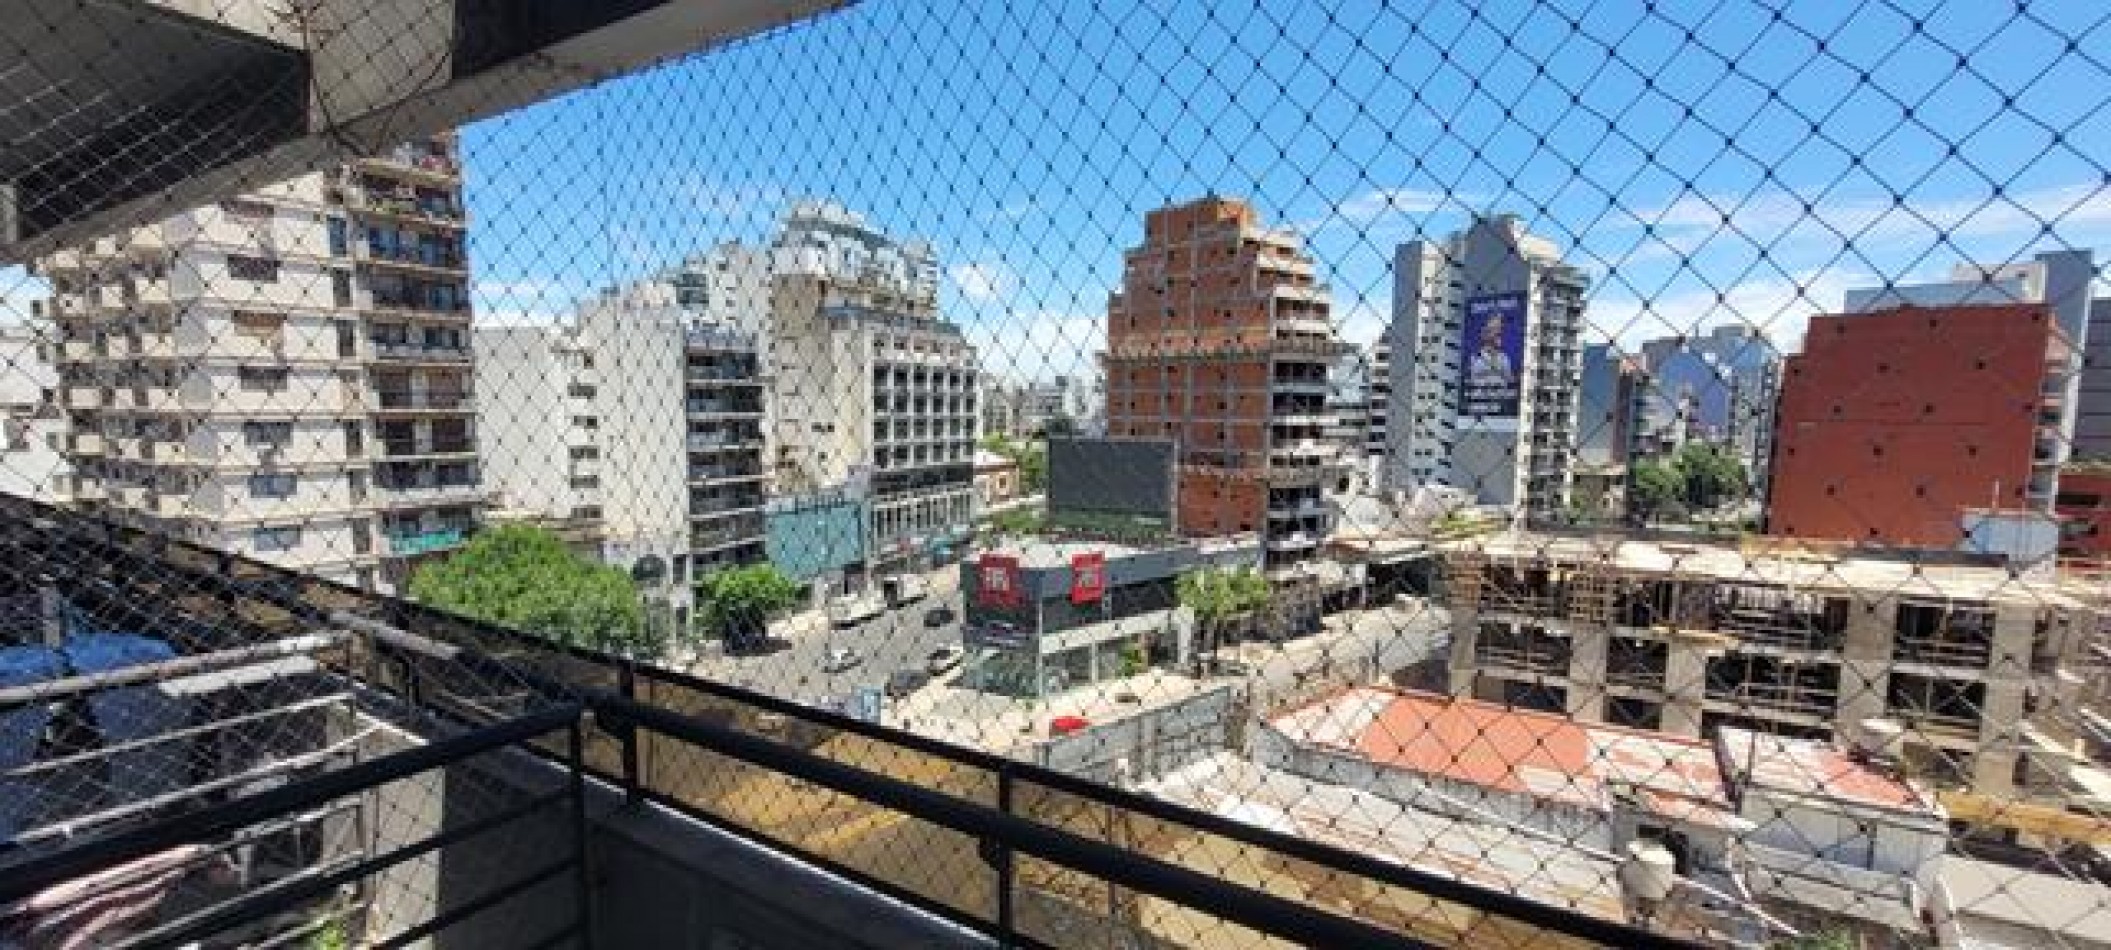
x=1486, y=363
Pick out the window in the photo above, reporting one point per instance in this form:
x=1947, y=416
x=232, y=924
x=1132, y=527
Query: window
x=580, y=391
x=267, y=433
x=340, y=243
x=273, y=484
x=259, y=269
x=585, y=452
x=588, y=423
x=251, y=323
x=276, y=539
x=262, y=378
x=341, y=288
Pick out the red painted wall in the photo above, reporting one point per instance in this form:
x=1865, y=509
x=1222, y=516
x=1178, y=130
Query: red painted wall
x=1891, y=422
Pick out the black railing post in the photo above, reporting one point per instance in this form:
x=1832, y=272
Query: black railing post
x=627, y=732
x=582, y=868
x=1001, y=859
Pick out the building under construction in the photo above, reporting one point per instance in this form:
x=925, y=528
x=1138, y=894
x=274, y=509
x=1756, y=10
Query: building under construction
x=1969, y=675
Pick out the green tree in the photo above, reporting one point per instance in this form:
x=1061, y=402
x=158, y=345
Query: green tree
x=1033, y=466
x=1712, y=476
x=1824, y=940
x=1016, y=521
x=999, y=443
x=1653, y=488
x=1217, y=596
x=738, y=602
x=524, y=577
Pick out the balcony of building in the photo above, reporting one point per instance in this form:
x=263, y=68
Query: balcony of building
x=1524, y=650
x=1761, y=686
x=1636, y=663
x=420, y=164
x=1939, y=634
x=1936, y=709
x=1778, y=617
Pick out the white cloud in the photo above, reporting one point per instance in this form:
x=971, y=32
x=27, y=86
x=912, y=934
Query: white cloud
x=981, y=282
x=1782, y=222
x=1388, y=210
x=1780, y=307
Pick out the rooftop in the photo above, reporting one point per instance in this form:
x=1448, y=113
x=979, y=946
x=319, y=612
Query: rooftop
x=1037, y=553
x=1944, y=575
x=1819, y=769
x=1541, y=755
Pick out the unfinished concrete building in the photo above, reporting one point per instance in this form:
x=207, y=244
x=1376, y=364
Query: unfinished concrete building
x=1956, y=668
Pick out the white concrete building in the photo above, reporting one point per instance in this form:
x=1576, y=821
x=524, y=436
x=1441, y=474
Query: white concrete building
x=632, y=425
x=869, y=390
x=1485, y=366
x=284, y=375
x=31, y=463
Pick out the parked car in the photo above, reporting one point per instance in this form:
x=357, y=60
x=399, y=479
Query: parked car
x=840, y=659
x=938, y=616
x=902, y=682
x=943, y=660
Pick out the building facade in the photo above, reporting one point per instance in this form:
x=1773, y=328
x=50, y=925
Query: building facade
x=637, y=425
x=1892, y=422
x=1718, y=387
x=1961, y=665
x=32, y=461
x=871, y=390
x=1484, y=338
x=1609, y=410
x=1220, y=340
x=286, y=374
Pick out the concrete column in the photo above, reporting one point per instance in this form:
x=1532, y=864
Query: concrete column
x=1865, y=668
x=1685, y=687
x=1588, y=643
x=1465, y=630
x=2015, y=629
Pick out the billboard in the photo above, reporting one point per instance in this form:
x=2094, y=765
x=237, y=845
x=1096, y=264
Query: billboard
x=1126, y=477
x=998, y=582
x=1088, y=577
x=1492, y=358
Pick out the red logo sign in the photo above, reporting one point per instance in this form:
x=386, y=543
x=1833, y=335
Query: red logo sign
x=997, y=579
x=1088, y=577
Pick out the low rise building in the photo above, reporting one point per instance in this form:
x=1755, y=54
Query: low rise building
x=1764, y=833
x=996, y=478
x=1047, y=616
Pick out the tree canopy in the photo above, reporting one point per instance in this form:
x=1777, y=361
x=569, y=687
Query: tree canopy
x=524, y=577
x=1654, y=489
x=1712, y=475
x=738, y=601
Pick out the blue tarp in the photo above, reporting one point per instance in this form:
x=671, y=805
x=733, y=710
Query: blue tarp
x=21, y=729
x=132, y=713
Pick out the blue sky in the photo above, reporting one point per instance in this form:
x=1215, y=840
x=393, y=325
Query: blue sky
x=1704, y=163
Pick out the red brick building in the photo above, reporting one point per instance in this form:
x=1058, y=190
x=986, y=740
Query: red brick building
x=1220, y=340
x=1892, y=422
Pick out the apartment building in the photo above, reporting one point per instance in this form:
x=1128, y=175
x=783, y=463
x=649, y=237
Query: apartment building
x=1610, y=407
x=31, y=463
x=1962, y=666
x=724, y=404
x=286, y=374
x=1718, y=387
x=1377, y=403
x=1891, y=423
x=1219, y=339
x=870, y=391
x=1485, y=337
x=637, y=427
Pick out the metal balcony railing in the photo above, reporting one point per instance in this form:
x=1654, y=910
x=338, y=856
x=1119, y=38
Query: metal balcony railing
x=1003, y=848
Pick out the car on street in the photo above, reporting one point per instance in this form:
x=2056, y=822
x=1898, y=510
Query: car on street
x=851, y=609
x=943, y=660
x=938, y=616
x=904, y=681
x=840, y=659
